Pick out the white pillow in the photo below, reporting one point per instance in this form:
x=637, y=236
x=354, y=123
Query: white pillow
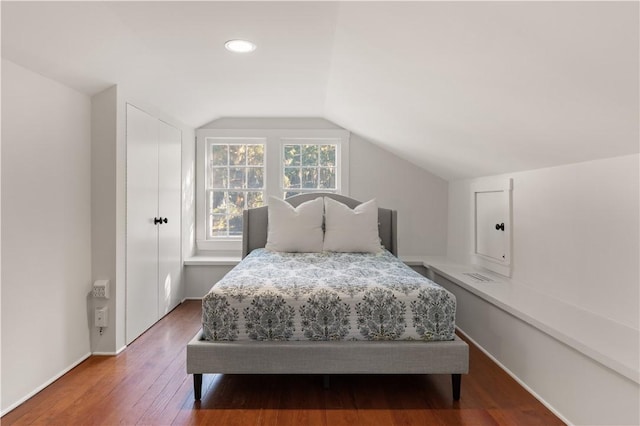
x=295, y=229
x=347, y=230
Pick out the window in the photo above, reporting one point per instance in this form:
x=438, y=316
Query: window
x=238, y=169
x=308, y=167
x=234, y=182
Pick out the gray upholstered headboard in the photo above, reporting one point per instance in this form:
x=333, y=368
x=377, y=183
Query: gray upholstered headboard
x=254, y=232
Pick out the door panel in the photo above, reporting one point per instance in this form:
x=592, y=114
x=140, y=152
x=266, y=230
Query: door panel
x=489, y=213
x=142, y=234
x=169, y=207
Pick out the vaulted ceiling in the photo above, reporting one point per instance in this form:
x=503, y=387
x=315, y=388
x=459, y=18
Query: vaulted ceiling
x=462, y=89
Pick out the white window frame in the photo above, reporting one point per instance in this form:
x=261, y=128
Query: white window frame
x=311, y=141
x=275, y=139
x=209, y=142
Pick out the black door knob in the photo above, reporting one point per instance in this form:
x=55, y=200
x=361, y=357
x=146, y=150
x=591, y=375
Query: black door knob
x=157, y=220
x=500, y=226
x=165, y=220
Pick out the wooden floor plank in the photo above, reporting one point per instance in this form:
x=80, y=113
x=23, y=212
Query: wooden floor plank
x=67, y=389
x=339, y=403
x=147, y=384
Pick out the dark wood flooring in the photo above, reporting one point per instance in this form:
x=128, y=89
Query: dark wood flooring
x=147, y=384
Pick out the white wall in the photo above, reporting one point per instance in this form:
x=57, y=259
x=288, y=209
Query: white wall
x=200, y=279
x=188, y=192
x=105, y=206
x=270, y=123
x=419, y=196
x=46, y=230
x=575, y=233
x=1, y=410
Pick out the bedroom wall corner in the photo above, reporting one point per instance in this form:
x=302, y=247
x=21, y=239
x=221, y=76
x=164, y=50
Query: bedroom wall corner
x=419, y=196
x=46, y=231
x=188, y=196
x=104, y=213
x=1, y=410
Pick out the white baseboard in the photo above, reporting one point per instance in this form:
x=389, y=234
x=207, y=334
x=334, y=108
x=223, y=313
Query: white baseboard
x=110, y=353
x=192, y=298
x=516, y=378
x=44, y=385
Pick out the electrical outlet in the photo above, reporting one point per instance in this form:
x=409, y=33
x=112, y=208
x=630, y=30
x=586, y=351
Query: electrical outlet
x=101, y=289
x=101, y=316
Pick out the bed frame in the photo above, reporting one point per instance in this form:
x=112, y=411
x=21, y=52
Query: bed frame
x=297, y=357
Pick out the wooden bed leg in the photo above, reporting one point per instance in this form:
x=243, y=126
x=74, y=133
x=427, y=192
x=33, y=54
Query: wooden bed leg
x=325, y=381
x=197, y=386
x=455, y=384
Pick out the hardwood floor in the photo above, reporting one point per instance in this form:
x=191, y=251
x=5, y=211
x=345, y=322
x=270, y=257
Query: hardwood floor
x=147, y=384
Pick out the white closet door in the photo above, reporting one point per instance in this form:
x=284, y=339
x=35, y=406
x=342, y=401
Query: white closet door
x=142, y=233
x=169, y=208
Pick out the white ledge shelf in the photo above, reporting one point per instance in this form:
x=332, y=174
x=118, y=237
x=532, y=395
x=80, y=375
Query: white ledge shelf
x=608, y=342
x=212, y=260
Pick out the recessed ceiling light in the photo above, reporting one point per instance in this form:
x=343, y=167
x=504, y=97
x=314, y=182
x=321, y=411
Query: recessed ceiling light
x=240, y=46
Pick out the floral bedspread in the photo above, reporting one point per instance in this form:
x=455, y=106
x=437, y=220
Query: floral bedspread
x=273, y=296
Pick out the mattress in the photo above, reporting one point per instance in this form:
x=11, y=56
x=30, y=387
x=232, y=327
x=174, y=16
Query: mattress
x=274, y=296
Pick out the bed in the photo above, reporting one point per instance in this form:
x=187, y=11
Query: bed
x=236, y=339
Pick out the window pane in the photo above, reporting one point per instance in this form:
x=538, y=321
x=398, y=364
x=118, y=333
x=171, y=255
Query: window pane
x=235, y=180
x=255, y=177
x=310, y=177
x=327, y=155
x=292, y=155
x=237, y=177
x=219, y=178
x=237, y=155
x=218, y=225
x=235, y=225
x=219, y=155
x=255, y=199
x=236, y=203
x=327, y=178
x=217, y=202
x=309, y=155
x=291, y=177
x=255, y=155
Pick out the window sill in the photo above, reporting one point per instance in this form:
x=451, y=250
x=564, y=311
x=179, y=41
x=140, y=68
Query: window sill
x=210, y=260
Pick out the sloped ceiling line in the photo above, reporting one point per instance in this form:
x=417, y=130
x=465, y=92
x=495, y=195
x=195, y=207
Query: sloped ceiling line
x=462, y=89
